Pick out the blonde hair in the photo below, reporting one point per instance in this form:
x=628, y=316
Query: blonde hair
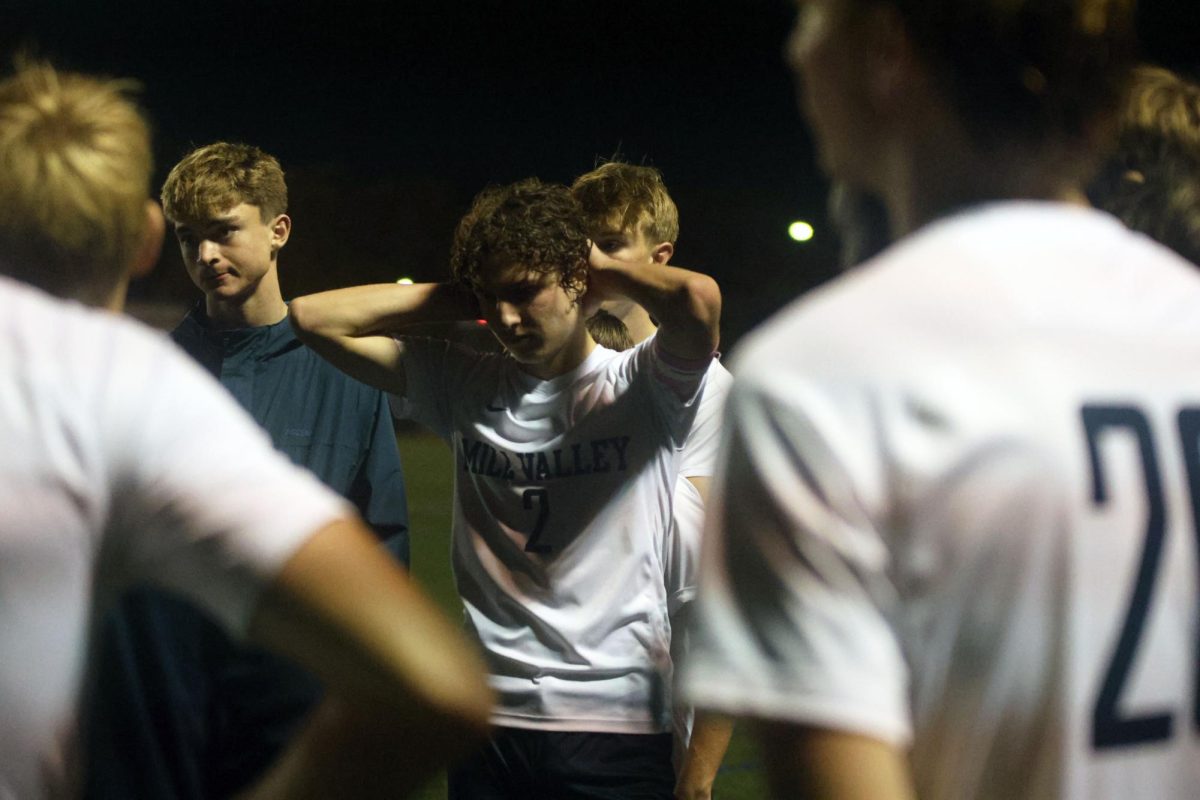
x=628, y=197
x=214, y=178
x=75, y=165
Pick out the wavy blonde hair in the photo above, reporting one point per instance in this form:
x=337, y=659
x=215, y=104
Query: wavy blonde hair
x=628, y=197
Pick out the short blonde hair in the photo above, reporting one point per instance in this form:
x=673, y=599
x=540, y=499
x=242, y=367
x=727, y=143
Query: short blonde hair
x=214, y=178
x=628, y=197
x=75, y=165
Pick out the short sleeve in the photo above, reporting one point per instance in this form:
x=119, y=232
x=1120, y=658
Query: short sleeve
x=699, y=456
x=203, y=504
x=795, y=595
x=432, y=370
x=378, y=490
x=678, y=383
x=683, y=545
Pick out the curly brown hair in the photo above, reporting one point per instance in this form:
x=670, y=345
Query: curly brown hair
x=537, y=225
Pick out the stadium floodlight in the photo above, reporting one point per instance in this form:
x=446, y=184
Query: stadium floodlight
x=800, y=231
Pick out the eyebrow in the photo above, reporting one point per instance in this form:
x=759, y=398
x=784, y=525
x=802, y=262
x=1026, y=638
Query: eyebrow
x=208, y=223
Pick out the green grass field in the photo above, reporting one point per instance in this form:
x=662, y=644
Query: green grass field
x=428, y=476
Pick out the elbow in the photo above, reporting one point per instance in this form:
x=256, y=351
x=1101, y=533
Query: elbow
x=704, y=305
x=304, y=318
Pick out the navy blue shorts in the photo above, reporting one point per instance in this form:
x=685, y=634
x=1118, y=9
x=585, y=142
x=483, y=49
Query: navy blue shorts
x=519, y=764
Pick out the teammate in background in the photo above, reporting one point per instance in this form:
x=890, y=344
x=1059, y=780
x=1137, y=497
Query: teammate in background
x=124, y=462
x=630, y=216
x=1152, y=181
x=566, y=453
x=953, y=545
x=180, y=710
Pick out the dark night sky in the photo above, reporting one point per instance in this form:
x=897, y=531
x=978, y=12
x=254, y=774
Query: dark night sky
x=388, y=117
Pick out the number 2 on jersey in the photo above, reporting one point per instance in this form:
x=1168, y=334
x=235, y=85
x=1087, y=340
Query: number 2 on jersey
x=542, y=498
x=1109, y=727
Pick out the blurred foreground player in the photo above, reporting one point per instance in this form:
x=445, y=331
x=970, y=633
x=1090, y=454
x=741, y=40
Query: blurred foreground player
x=631, y=216
x=954, y=541
x=124, y=462
x=180, y=710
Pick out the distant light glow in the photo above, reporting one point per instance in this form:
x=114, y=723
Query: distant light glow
x=405, y=281
x=800, y=231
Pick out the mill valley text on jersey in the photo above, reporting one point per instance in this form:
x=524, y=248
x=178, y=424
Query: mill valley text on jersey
x=580, y=458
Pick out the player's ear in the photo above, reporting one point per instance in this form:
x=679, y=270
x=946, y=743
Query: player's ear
x=281, y=229
x=148, y=251
x=662, y=252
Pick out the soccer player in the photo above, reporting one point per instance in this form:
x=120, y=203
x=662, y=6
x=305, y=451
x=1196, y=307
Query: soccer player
x=566, y=454
x=954, y=539
x=1152, y=181
x=123, y=462
x=180, y=710
x=631, y=216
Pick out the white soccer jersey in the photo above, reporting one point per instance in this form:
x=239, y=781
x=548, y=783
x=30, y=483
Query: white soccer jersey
x=959, y=511
x=681, y=548
x=121, y=461
x=698, y=460
x=562, y=498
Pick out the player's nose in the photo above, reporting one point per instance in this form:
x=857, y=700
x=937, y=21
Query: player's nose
x=507, y=314
x=206, y=252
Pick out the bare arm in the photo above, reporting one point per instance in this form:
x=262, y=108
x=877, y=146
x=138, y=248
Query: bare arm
x=352, y=328
x=406, y=693
x=686, y=304
x=706, y=749
x=710, y=732
x=819, y=764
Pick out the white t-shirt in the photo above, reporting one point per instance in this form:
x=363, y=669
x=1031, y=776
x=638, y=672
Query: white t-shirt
x=945, y=474
x=681, y=549
x=121, y=461
x=699, y=460
x=562, y=499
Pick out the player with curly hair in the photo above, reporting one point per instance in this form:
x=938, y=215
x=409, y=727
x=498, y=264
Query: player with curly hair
x=565, y=460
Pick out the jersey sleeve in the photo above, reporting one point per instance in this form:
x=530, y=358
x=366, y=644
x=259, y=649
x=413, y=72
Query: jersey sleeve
x=681, y=559
x=204, y=505
x=699, y=456
x=795, y=596
x=378, y=488
x=433, y=368
x=679, y=385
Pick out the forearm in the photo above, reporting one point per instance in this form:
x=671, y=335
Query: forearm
x=710, y=739
x=379, y=309
x=359, y=751
x=352, y=327
x=820, y=764
x=686, y=304
x=406, y=691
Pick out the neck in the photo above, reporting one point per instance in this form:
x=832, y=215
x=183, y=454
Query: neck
x=566, y=359
x=936, y=170
x=637, y=321
x=116, y=300
x=264, y=306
